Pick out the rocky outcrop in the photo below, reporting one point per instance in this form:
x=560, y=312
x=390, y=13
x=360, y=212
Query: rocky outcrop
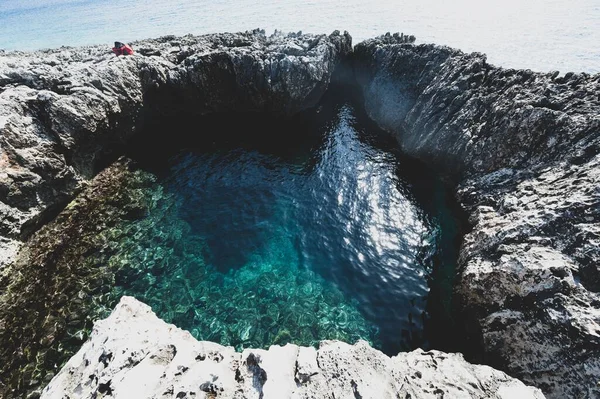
x=63, y=111
x=62, y=279
x=133, y=354
x=522, y=150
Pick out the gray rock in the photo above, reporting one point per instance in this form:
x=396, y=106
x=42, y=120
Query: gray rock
x=133, y=354
x=468, y=117
x=522, y=150
x=62, y=111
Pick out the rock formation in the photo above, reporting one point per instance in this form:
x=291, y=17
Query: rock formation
x=61, y=280
x=134, y=354
x=522, y=149
x=62, y=111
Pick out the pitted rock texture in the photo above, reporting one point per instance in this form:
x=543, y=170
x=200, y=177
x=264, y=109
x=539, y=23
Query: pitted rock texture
x=529, y=282
x=63, y=111
x=133, y=354
x=522, y=149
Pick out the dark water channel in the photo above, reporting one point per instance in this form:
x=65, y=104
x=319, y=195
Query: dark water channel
x=296, y=231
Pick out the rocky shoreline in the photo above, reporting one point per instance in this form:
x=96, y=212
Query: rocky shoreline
x=520, y=148
x=163, y=361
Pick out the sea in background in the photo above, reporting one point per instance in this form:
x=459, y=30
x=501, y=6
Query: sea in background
x=541, y=35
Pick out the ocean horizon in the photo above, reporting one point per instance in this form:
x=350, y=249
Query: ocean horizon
x=538, y=35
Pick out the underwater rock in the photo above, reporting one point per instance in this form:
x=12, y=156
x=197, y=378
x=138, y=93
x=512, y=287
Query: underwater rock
x=522, y=149
x=123, y=235
x=61, y=280
x=64, y=112
x=132, y=353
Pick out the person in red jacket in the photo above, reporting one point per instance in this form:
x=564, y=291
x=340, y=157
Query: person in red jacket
x=122, y=49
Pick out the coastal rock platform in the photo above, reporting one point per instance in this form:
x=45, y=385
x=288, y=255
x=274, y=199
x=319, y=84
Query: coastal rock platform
x=520, y=149
x=134, y=354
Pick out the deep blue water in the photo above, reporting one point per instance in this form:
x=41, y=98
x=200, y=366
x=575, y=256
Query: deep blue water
x=301, y=230
x=541, y=35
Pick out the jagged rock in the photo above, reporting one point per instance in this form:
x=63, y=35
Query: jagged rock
x=62, y=111
x=59, y=282
x=133, y=354
x=522, y=150
x=468, y=117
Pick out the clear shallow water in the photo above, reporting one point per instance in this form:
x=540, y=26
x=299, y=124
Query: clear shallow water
x=541, y=35
x=296, y=231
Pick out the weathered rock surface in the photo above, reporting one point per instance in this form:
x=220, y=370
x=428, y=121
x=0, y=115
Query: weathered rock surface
x=133, y=354
x=523, y=151
x=470, y=118
x=63, y=110
x=60, y=281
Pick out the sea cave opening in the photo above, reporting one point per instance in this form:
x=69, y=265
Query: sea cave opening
x=294, y=229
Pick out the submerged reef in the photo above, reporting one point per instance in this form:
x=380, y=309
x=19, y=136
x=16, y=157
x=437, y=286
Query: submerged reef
x=266, y=299
x=261, y=303
x=520, y=149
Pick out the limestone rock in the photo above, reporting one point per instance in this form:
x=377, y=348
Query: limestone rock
x=133, y=354
x=469, y=117
x=522, y=149
x=63, y=111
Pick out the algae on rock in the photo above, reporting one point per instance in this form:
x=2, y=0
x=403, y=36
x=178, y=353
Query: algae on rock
x=60, y=281
x=123, y=236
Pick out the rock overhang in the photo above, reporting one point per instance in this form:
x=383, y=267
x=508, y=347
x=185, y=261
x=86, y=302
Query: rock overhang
x=519, y=146
x=62, y=109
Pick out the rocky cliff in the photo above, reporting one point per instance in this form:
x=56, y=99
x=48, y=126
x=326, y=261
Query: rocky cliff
x=522, y=150
x=62, y=111
x=134, y=354
x=64, y=114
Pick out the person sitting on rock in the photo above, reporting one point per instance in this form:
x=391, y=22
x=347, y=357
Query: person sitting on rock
x=122, y=49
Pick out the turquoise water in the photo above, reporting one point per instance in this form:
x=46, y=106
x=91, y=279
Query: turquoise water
x=541, y=35
x=295, y=231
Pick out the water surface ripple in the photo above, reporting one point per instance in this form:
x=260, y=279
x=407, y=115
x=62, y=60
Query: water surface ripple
x=330, y=238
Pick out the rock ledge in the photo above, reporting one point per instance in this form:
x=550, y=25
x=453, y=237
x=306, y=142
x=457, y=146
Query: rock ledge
x=134, y=354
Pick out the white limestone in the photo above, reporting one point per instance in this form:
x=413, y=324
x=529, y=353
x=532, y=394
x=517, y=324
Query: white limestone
x=133, y=354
